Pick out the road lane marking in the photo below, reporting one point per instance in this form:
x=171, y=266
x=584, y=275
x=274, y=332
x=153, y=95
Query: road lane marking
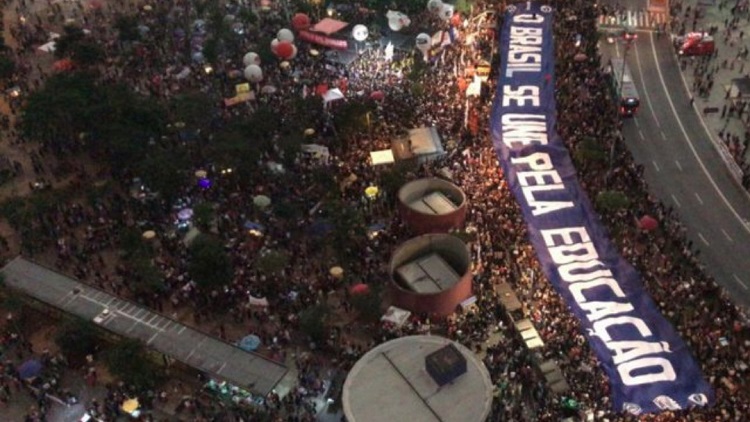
x=663, y=136
x=643, y=88
x=674, y=198
x=636, y=122
x=704, y=239
x=687, y=138
x=729, y=238
x=679, y=166
x=656, y=166
x=698, y=197
x=152, y=338
x=641, y=135
x=742, y=283
x=195, y=348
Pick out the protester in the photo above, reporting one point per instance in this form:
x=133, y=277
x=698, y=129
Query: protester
x=87, y=233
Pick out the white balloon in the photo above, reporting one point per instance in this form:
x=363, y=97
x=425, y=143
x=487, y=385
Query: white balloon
x=274, y=43
x=423, y=42
x=360, y=32
x=251, y=58
x=285, y=35
x=395, y=25
x=294, y=52
x=434, y=6
x=253, y=73
x=446, y=11
x=397, y=20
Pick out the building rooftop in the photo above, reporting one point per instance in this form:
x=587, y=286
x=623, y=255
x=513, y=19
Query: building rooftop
x=391, y=383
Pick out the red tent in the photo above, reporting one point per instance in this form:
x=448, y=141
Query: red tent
x=321, y=89
x=359, y=289
x=648, y=223
x=377, y=95
x=63, y=65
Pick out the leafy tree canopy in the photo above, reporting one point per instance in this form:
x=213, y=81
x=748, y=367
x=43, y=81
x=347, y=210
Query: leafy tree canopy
x=127, y=361
x=210, y=266
x=78, y=338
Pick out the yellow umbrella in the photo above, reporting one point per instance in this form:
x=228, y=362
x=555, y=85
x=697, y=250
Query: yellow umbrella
x=148, y=8
x=309, y=131
x=284, y=65
x=336, y=272
x=130, y=405
x=201, y=174
x=314, y=52
x=372, y=192
x=149, y=234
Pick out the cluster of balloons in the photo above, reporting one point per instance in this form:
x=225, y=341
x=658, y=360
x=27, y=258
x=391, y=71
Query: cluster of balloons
x=442, y=10
x=397, y=20
x=283, y=45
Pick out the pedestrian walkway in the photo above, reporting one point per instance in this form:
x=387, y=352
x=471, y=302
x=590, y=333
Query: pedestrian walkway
x=218, y=359
x=710, y=81
x=638, y=19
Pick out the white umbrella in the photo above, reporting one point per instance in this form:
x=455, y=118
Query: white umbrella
x=261, y=201
x=268, y=89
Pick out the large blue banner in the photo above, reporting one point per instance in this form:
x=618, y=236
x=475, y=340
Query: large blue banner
x=649, y=366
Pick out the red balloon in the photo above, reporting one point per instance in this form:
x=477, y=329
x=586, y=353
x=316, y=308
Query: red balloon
x=284, y=50
x=300, y=21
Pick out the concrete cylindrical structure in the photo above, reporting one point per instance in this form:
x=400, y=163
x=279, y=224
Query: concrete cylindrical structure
x=454, y=252
x=437, y=220
x=390, y=383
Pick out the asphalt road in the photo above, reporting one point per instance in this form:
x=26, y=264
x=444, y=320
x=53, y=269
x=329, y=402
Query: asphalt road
x=683, y=168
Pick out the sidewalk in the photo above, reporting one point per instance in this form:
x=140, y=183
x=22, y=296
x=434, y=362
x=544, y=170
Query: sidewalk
x=726, y=65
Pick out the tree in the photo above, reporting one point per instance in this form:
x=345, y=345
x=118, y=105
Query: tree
x=7, y=67
x=203, y=215
x=79, y=47
x=368, y=305
x=132, y=244
x=590, y=151
x=78, y=338
x=312, y=321
x=65, y=43
x=67, y=105
x=128, y=361
x=127, y=28
x=147, y=279
x=351, y=119
x=130, y=122
x=210, y=266
x=612, y=200
x=272, y=262
x=164, y=171
x=195, y=109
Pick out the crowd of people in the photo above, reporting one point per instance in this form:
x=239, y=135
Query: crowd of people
x=728, y=36
x=86, y=232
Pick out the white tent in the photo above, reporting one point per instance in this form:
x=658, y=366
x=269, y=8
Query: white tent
x=333, y=95
x=48, y=47
x=384, y=156
x=318, y=151
x=396, y=316
x=257, y=301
